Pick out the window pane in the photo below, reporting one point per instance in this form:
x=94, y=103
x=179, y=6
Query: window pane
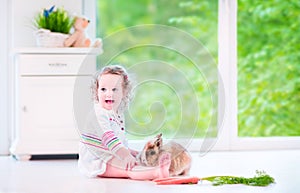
x=181, y=102
x=268, y=68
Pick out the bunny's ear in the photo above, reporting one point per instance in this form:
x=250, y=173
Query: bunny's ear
x=158, y=141
x=159, y=135
x=150, y=145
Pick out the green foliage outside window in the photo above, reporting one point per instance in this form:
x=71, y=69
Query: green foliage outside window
x=269, y=68
x=268, y=58
x=117, y=15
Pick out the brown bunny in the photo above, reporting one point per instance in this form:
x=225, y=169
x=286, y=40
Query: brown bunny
x=180, y=158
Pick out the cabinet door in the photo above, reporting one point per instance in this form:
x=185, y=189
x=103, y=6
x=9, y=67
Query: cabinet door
x=46, y=108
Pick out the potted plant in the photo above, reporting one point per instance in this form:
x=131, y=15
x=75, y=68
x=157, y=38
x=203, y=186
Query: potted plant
x=53, y=27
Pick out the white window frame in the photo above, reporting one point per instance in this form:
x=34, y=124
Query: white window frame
x=228, y=71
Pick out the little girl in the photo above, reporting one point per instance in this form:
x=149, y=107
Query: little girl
x=103, y=150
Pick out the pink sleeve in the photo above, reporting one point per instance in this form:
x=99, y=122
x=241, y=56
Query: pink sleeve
x=111, y=141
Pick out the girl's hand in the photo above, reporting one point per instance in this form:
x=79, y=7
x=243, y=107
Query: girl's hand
x=134, y=153
x=129, y=162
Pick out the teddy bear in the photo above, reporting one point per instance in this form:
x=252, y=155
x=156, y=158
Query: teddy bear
x=79, y=38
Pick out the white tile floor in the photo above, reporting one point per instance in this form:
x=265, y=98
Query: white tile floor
x=62, y=176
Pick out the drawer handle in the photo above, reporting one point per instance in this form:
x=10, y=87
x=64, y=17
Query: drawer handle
x=24, y=109
x=58, y=64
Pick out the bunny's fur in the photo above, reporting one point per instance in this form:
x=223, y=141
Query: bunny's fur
x=180, y=158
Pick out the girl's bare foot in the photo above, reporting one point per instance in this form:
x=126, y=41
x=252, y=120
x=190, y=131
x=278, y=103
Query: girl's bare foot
x=164, y=165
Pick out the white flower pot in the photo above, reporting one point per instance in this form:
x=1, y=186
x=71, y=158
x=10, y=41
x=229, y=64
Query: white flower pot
x=46, y=38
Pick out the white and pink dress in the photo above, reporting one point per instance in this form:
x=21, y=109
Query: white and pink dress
x=102, y=137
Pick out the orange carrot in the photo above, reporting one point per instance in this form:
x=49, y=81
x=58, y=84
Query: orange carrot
x=177, y=180
x=165, y=179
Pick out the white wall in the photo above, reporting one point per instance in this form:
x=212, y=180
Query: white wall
x=23, y=13
x=4, y=121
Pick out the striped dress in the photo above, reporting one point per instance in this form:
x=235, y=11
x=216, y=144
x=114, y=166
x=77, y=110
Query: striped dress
x=101, y=138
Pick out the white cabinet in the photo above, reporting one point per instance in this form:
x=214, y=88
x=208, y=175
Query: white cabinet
x=45, y=80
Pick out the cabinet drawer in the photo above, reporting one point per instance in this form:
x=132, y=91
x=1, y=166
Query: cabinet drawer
x=56, y=64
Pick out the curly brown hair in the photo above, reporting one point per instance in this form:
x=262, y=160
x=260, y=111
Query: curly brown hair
x=126, y=84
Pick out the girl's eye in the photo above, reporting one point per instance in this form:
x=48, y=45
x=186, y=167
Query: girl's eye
x=114, y=89
x=103, y=89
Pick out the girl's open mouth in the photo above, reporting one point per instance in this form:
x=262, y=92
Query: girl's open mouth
x=109, y=101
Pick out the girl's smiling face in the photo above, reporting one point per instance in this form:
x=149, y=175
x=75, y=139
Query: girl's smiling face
x=110, y=91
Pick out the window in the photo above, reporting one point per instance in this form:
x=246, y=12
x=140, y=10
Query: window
x=227, y=31
x=174, y=94
x=230, y=69
x=269, y=71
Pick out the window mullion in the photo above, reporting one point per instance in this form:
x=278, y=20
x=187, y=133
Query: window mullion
x=227, y=52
